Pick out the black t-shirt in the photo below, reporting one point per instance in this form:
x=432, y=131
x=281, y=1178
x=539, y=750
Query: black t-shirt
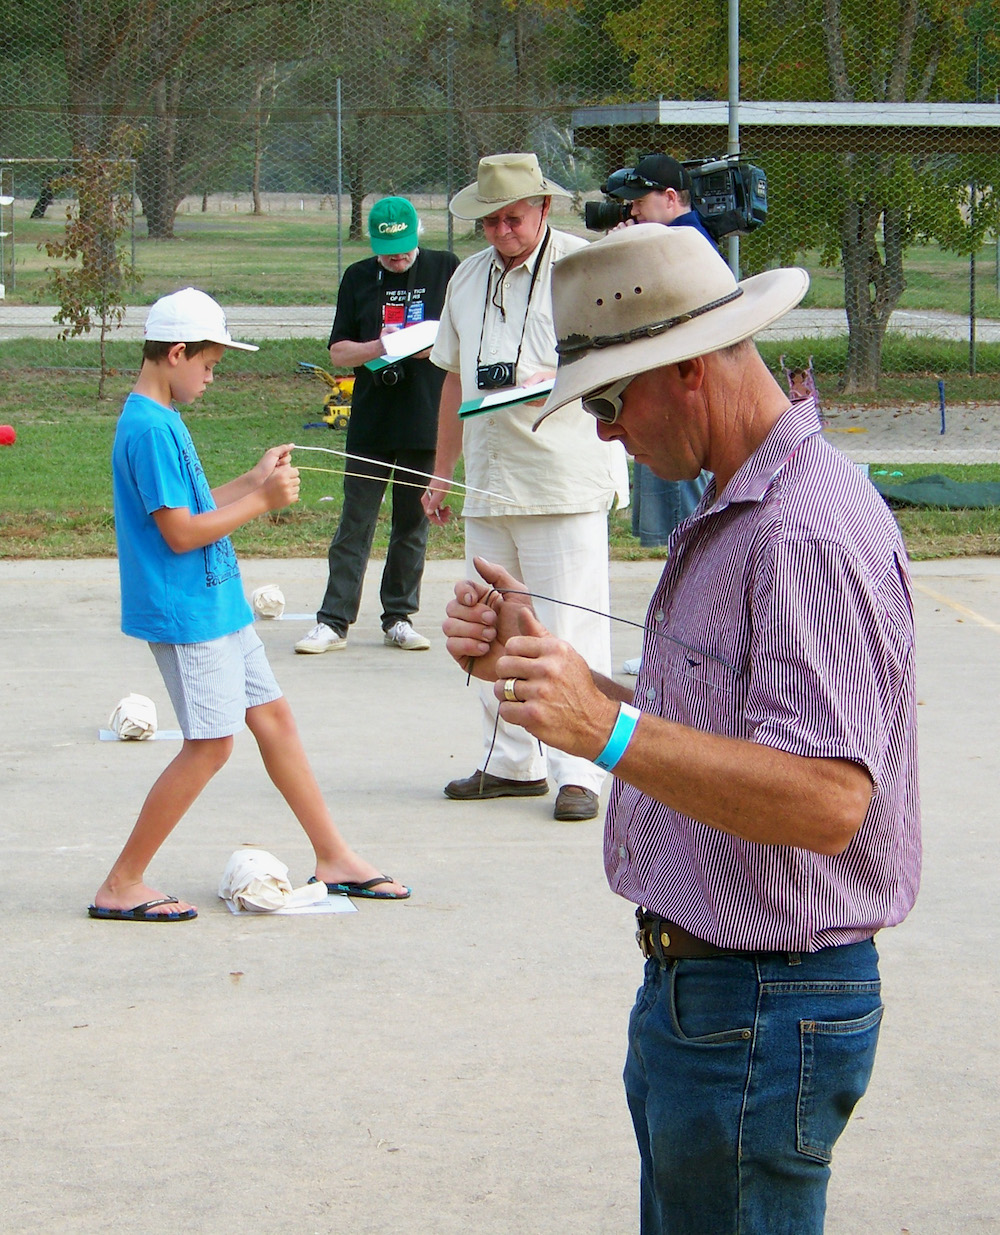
x=403, y=416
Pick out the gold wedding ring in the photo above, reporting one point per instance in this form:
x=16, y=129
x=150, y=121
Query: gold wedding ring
x=508, y=690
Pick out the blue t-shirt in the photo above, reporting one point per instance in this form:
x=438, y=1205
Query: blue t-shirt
x=168, y=597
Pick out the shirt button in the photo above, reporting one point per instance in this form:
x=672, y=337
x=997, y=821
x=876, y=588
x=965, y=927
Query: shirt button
x=650, y=693
x=658, y=615
x=622, y=852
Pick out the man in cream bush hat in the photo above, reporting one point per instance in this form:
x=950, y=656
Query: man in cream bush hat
x=764, y=816
x=545, y=516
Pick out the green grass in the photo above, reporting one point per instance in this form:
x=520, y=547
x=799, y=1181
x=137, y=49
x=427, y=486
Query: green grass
x=291, y=258
x=55, y=493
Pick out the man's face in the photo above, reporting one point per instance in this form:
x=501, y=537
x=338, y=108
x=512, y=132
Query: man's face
x=515, y=230
x=653, y=427
x=660, y=206
x=398, y=263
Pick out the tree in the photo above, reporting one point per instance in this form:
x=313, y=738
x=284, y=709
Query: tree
x=861, y=207
x=95, y=226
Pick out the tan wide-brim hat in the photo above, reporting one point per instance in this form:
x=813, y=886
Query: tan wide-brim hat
x=651, y=295
x=502, y=180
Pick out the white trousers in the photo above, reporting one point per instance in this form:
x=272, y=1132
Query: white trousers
x=563, y=558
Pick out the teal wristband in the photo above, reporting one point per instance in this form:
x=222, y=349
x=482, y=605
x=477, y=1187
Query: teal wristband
x=621, y=735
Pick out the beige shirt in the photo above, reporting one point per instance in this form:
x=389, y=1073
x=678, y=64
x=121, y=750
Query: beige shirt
x=564, y=468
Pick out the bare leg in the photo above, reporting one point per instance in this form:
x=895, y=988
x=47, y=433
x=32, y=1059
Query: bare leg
x=273, y=726
x=177, y=787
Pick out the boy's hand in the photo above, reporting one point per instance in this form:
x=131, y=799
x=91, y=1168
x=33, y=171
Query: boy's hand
x=281, y=488
x=276, y=456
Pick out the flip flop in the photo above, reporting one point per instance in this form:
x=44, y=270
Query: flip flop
x=140, y=913
x=364, y=890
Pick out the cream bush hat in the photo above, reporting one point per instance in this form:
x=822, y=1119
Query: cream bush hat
x=501, y=180
x=651, y=295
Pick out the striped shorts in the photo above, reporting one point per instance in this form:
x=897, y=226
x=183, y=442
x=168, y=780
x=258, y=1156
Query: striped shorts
x=212, y=684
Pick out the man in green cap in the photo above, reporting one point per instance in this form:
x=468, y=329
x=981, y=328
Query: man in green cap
x=393, y=425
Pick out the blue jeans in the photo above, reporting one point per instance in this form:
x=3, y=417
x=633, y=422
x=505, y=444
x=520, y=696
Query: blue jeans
x=658, y=505
x=741, y=1074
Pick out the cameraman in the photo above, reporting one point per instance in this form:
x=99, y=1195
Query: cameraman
x=393, y=421
x=658, y=190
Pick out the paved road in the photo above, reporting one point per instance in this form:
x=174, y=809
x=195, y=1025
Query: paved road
x=443, y=1066
x=254, y=322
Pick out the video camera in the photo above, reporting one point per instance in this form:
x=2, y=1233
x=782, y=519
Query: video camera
x=729, y=194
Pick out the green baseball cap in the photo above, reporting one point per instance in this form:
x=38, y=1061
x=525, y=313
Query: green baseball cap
x=393, y=226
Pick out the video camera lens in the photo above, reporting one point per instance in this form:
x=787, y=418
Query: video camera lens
x=391, y=375
x=495, y=376
x=602, y=216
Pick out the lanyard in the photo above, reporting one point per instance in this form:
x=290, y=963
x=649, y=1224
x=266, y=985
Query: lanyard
x=531, y=287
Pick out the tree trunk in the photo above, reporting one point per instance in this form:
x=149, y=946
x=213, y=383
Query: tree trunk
x=872, y=287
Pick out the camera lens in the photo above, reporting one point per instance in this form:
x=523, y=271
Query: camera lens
x=602, y=216
x=390, y=375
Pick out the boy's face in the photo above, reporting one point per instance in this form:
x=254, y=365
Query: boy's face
x=190, y=376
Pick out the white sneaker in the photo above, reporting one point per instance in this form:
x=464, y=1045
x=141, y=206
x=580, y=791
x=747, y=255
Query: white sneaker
x=631, y=667
x=402, y=635
x=321, y=638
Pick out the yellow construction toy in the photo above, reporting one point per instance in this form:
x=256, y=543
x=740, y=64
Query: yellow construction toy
x=337, y=404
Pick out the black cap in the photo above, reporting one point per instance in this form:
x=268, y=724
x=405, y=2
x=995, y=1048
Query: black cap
x=655, y=171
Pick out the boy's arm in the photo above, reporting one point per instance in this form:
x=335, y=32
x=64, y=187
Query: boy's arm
x=244, y=500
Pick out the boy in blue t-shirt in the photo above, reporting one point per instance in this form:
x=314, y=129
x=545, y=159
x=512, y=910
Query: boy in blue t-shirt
x=182, y=592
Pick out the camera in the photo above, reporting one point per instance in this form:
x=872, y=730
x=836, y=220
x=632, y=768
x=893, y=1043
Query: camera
x=495, y=376
x=729, y=194
x=602, y=216
x=391, y=375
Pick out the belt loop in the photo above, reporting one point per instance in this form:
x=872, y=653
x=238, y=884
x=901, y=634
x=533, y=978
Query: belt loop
x=794, y=958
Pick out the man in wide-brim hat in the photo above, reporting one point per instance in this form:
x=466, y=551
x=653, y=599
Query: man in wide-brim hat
x=764, y=815
x=537, y=503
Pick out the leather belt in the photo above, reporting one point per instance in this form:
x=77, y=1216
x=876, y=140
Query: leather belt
x=662, y=940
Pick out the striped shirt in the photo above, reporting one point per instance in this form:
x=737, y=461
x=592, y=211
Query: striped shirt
x=783, y=616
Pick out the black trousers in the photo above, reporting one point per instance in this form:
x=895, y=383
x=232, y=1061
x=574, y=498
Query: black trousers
x=352, y=543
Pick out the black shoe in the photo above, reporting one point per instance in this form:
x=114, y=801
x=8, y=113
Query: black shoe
x=482, y=785
x=574, y=804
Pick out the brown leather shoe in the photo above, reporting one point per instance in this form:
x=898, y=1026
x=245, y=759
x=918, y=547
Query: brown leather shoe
x=574, y=804
x=481, y=785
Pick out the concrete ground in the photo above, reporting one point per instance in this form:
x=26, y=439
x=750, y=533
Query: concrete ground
x=445, y=1065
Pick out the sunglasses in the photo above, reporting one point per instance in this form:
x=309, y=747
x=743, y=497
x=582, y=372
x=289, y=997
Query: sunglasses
x=606, y=404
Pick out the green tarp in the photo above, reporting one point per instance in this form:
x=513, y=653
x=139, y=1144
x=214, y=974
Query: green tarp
x=941, y=492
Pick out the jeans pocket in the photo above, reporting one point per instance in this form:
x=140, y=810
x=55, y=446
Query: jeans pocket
x=836, y=1063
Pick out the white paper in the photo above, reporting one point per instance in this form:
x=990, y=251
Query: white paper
x=398, y=344
x=332, y=904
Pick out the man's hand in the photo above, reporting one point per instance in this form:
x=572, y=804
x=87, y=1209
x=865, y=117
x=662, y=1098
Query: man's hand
x=541, y=376
x=482, y=617
x=432, y=500
x=558, y=701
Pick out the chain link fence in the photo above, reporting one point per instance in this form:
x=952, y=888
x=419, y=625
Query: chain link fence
x=877, y=125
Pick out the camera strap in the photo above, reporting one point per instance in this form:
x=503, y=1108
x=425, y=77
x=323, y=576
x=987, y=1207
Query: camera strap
x=527, y=307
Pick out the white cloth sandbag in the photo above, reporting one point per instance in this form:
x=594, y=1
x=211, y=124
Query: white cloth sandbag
x=134, y=719
x=258, y=881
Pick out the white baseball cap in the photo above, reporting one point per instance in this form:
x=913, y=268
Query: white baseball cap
x=190, y=316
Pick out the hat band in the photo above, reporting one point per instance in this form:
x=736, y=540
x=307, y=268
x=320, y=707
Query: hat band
x=573, y=347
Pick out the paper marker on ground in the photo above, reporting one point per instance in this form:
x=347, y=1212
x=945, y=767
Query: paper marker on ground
x=399, y=344
x=332, y=904
x=509, y=397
